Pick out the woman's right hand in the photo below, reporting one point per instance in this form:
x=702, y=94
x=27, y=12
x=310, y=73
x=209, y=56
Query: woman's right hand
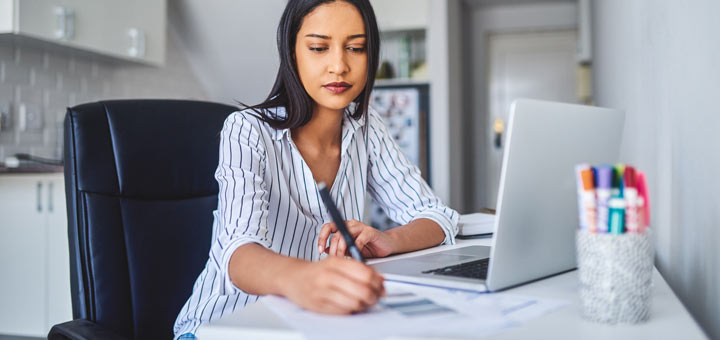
x=334, y=285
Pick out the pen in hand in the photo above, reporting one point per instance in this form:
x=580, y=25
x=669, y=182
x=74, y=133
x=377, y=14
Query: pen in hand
x=339, y=222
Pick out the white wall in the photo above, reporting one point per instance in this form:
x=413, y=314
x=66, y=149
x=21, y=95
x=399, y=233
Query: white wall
x=660, y=61
x=444, y=55
x=230, y=45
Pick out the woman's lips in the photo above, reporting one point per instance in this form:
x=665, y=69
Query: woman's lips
x=337, y=88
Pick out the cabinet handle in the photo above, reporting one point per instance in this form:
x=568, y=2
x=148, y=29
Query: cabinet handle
x=64, y=23
x=50, y=197
x=137, y=43
x=39, y=196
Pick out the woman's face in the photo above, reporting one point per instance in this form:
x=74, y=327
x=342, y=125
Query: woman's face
x=331, y=55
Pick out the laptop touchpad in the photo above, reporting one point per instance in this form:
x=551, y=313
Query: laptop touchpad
x=452, y=256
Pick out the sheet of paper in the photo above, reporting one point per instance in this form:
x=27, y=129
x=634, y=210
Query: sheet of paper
x=476, y=224
x=410, y=310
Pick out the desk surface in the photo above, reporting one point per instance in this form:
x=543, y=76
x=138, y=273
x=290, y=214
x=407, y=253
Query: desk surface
x=668, y=319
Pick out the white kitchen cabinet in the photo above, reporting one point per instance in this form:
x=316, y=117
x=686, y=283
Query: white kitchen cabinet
x=144, y=27
x=34, y=260
x=129, y=29
x=59, y=303
x=401, y=15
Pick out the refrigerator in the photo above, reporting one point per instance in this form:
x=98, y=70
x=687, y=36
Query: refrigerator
x=404, y=109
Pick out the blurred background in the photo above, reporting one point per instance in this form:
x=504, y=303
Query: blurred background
x=449, y=71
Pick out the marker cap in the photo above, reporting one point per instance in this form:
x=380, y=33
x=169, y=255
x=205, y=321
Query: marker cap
x=617, y=182
x=604, y=177
x=587, y=179
x=630, y=177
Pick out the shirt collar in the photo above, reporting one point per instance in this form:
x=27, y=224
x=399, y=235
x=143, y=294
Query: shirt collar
x=279, y=112
x=350, y=124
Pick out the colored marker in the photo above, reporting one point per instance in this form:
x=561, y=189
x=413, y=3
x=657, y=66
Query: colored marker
x=594, y=173
x=617, y=215
x=588, y=199
x=617, y=185
x=644, y=197
x=631, y=198
x=640, y=214
x=579, y=185
x=620, y=169
x=604, y=191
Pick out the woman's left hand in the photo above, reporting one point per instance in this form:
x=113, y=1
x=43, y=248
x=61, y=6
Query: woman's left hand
x=370, y=241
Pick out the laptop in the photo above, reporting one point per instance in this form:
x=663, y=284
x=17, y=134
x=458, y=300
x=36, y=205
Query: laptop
x=536, y=215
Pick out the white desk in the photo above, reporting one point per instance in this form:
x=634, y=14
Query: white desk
x=668, y=320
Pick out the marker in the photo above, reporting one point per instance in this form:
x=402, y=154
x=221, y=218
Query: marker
x=604, y=191
x=644, y=197
x=588, y=201
x=631, y=199
x=617, y=184
x=617, y=215
x=620, y=169
x=594, y=173
x=339, y=222
x=579, y=185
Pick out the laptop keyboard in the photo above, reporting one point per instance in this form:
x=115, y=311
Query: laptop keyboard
x=473, y=270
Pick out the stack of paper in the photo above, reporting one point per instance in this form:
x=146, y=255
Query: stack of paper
x=476, y=224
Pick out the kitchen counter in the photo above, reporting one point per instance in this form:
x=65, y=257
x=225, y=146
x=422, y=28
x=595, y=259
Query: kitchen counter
x=31, y=169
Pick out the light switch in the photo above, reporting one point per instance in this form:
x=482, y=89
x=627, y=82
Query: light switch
x=29, y=118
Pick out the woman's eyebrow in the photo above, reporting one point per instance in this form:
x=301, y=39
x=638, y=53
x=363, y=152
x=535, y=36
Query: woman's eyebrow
x=315, y=35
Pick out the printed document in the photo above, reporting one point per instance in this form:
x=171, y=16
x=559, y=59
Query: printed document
x=413, y=310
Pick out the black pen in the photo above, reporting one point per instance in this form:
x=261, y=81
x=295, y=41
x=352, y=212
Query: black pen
x=339, y=222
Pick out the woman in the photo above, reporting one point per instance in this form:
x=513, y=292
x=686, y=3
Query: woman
x=271, y=227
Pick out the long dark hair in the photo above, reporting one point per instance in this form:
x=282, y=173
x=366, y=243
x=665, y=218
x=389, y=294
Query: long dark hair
x=288, y=90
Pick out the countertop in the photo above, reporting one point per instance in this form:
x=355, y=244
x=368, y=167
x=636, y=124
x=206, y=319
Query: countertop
x=31, y=169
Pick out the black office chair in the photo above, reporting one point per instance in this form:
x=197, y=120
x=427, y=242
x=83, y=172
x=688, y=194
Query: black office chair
x=140, y=187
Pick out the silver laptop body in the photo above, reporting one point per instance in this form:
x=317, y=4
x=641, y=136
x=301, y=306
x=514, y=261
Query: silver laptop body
x=537, y=201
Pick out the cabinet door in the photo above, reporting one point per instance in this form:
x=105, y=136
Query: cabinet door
x=150, y=17
x=393, y=15
x=105, y=26
x=38, y=18
x=59, y=305
x=77, y=23
x=22, y=256
x=138, y=29
x=90, y=20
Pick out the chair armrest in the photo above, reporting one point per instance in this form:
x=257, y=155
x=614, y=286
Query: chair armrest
x=81, y=329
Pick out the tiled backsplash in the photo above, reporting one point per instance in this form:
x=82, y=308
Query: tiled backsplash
x=40, y=84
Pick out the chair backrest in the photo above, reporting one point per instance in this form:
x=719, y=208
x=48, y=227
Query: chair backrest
x=140, y=193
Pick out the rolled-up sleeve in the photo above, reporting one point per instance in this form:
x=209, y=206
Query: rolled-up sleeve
x=396, y=184
x=241, y=217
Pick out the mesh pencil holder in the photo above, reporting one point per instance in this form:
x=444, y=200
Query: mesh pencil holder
x=615, y=274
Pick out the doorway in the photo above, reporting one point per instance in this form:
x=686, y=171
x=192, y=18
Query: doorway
x=538, y=65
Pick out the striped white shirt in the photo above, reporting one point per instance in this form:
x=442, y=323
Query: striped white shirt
x=268, y=196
